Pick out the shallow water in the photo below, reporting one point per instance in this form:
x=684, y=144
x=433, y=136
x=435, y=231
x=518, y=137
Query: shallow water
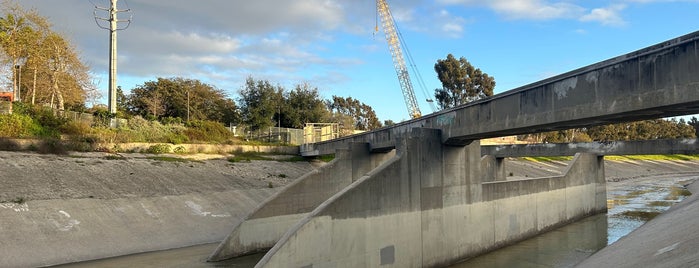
x=630, y=205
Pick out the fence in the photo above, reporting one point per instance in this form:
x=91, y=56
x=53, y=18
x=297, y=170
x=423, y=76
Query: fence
x=317, y=132
x=312, y=132
x=274, y=135
x=76, y=116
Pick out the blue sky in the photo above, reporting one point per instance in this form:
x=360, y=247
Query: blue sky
x=331, y=44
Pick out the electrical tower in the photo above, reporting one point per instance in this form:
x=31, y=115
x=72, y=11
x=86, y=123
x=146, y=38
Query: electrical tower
x=113, y=28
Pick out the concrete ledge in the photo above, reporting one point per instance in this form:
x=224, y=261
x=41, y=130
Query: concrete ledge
x=28, y=144
x=672, y=146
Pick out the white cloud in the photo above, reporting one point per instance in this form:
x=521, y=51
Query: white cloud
x=606, y=16
x=550, y=10
x=526, y=9
x=535, y=9
x=209, y=38
x=451, y=26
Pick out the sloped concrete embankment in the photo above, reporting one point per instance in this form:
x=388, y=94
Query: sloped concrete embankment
x=62, y=209
x=49, y=232
x=427, y=207
x=669, y=240
x=263, y=227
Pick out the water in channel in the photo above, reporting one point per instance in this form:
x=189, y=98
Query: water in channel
x=630, y=205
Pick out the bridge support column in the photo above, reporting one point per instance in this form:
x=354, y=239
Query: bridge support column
x=427, y=206
x=493, y=168
x=263, y=227
x=391, y=216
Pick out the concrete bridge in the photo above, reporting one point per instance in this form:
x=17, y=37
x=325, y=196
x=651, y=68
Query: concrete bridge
x=419, y=194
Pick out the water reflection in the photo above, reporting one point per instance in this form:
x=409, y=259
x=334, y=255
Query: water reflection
x=629, y=207
x=563, y=247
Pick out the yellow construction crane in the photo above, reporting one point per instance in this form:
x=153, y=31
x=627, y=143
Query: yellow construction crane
x=394, y=44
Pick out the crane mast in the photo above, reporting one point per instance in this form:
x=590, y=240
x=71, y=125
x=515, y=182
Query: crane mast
x=394, y=45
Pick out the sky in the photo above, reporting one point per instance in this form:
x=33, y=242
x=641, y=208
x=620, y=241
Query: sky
x=332, y=45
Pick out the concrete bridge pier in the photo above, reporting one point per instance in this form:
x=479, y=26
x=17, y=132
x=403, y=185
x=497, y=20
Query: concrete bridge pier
x=427, y=206
x=493, y=168
x=265, y=225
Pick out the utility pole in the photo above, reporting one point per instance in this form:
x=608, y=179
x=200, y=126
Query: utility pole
x=113, y=28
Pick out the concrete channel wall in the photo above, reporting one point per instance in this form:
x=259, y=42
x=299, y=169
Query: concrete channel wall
x=49, y=232
x=266, y=224
x=427, y=206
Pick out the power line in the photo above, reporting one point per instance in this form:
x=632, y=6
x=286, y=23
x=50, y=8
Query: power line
x=114, y=24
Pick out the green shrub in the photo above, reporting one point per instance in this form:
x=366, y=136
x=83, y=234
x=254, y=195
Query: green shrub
x=76, y=128
x=102, y=118
x=19, y=200
x=207, y=131
x=159, y=149
x=180, y=150
x=114, y=157
x=171, y=121
x=18, y=126
x=51, y=146
x=176, y=138
x=9, y=145
x=49, y=123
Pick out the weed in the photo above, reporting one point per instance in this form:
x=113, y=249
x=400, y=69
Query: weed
x=326, y=158
x=180, y=150
x=171, y=159
x=159, y=149
x=9, y=145
x=51, y=146
x=247, y=157
x=676, y=193
x=114, y=157
x=640, y=215
x=19, y=200
x=296, y=158
x=660, y=204
x=282, y=175
x=270, y=185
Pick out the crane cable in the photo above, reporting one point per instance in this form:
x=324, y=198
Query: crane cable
x=413, y=66
x=411, y=61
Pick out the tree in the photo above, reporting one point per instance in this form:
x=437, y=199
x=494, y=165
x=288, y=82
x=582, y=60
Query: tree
x=122, y=100
x=260, y=103
x=461, y=82
x=363, y=116
x=181, y=98
x=694, y=122
x=58, y=76
x=643, y=130
x=303, y=105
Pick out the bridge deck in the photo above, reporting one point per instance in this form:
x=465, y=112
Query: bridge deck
x=654, y=82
